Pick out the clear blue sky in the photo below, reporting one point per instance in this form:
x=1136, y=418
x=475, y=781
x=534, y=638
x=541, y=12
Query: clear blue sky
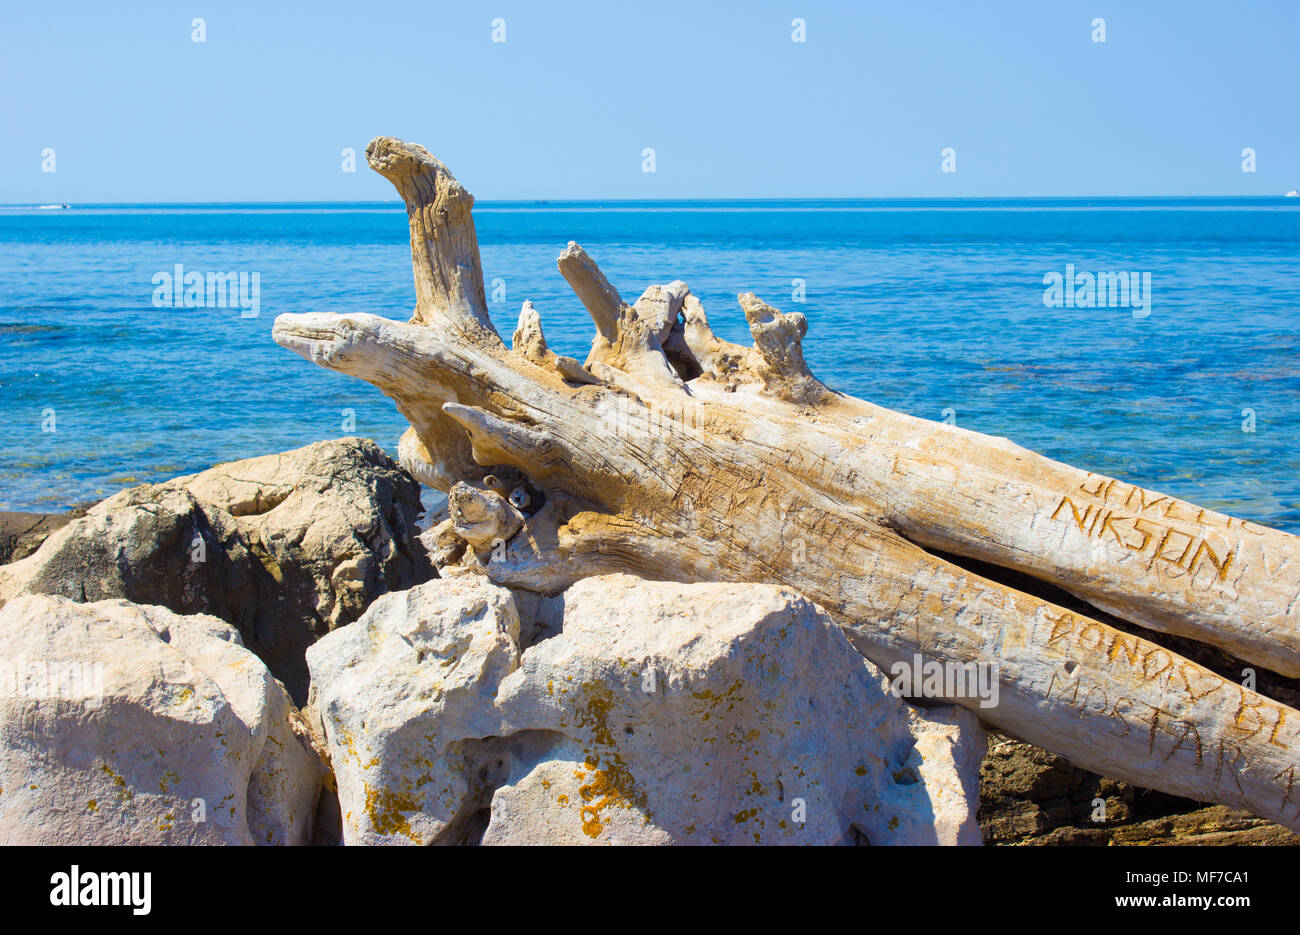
x=136, y=111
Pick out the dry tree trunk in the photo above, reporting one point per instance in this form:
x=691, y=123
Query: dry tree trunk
x=674, y=455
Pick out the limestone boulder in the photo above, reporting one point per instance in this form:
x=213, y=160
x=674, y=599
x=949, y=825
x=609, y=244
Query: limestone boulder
x=718, y=713
x=406, y=697
x=130, y=724
x=285, y=547
x=645, y=713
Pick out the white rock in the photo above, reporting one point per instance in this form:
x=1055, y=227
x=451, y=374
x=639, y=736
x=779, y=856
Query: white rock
x=731, y=714
x=285, y=547
x=130, y=724
x=661, y=713
x=404, y=694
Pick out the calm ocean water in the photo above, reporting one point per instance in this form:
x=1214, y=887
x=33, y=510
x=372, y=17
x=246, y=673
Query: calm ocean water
x=920, y=306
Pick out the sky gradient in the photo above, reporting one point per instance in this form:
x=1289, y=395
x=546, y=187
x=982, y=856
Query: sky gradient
x=260, y=111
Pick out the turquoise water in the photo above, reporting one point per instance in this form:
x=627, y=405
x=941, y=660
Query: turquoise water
x=921, y=306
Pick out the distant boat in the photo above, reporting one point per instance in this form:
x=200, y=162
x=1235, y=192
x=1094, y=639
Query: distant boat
x=1293, y=194
x=51, y=207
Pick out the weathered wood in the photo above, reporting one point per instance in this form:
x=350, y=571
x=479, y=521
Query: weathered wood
x=675, y=455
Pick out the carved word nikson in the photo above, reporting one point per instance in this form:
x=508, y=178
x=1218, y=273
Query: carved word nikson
x=1149, y=527
x=930, y=678
x=179, y=289
x=103, y=889
x=1098, y=290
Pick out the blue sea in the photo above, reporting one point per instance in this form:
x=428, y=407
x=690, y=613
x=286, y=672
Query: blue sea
x=919, y=305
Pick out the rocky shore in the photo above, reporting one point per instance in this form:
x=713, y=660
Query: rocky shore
x=21, y=534
x=273, y=652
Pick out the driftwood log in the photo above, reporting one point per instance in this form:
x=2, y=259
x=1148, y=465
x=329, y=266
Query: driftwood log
x=674, y=455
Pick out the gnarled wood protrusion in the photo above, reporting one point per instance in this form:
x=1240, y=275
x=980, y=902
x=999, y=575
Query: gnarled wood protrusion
x=444, y=246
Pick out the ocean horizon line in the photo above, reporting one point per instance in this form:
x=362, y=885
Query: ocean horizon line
x=846, y=201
